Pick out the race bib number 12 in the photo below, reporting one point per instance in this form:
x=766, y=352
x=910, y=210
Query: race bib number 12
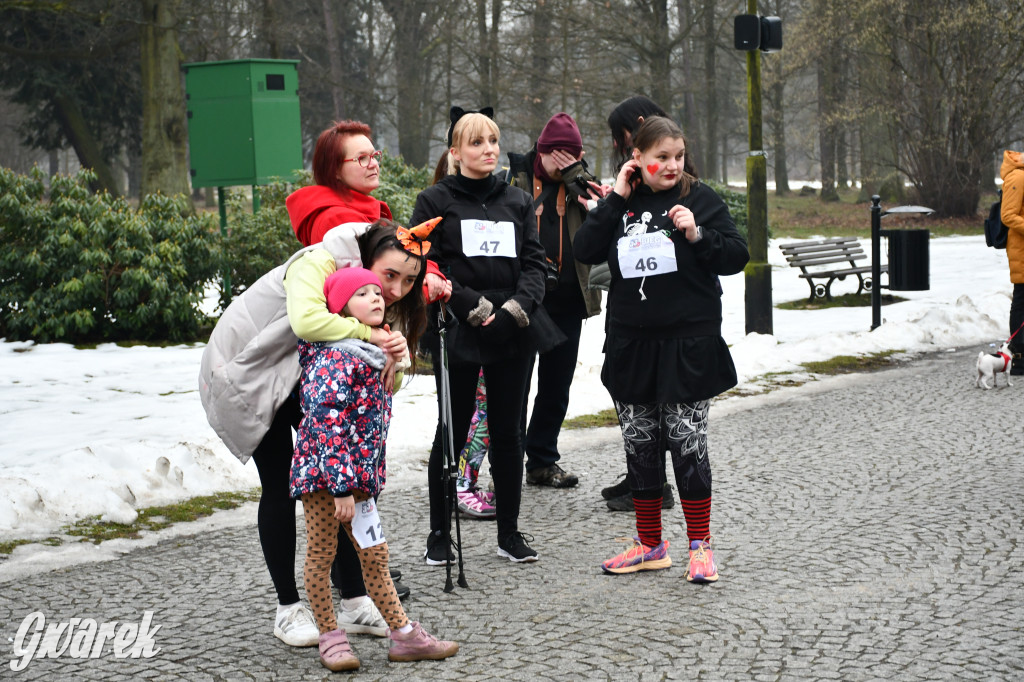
x=366, y=527
x=488, y=238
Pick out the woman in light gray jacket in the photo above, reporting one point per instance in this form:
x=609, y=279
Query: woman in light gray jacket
x=250, y=370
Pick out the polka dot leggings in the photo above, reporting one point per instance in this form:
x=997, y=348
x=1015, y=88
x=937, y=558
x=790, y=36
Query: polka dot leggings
x=321, y=546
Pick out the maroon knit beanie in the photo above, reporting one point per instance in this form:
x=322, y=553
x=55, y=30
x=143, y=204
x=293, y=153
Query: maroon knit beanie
x=560, y=132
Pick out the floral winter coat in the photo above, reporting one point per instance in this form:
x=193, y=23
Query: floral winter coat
x=340, y=441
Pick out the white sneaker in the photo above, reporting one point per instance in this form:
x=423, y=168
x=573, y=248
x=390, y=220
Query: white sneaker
x=296, y=627
x=364, y=619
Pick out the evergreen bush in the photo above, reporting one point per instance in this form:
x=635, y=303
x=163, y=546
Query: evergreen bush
x=737, y=203
x=85, y=267
x=258, y=242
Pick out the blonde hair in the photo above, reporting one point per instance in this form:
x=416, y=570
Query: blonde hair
x=469, y=127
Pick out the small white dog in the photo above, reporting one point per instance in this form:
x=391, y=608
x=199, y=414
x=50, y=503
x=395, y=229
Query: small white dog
x=991, y=364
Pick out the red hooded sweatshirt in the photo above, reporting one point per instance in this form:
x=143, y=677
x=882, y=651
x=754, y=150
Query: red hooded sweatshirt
x=316, y=209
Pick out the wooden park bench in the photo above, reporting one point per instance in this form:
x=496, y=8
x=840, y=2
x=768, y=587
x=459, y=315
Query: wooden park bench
x=817, y=261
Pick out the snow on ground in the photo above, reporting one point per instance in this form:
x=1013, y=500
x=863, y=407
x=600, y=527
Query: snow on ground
x=109, y=430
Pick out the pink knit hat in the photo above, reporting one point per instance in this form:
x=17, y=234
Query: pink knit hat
x=341, y=284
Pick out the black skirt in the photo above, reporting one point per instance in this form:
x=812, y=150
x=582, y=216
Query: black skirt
x=666, y=370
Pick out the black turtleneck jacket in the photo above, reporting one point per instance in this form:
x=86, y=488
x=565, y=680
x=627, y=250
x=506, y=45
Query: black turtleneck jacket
x=457, y=198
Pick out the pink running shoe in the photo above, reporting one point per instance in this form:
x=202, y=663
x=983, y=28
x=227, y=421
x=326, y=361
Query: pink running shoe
x=419, y=645
x=702, y=562
x=473, y=503
x=335, y=652
x=639, y=557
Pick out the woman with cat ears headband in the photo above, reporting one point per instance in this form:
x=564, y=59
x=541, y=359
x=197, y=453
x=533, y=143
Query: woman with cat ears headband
x=666, y=237
x=487, y=245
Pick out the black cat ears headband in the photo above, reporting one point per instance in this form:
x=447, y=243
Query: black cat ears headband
x=458, y=112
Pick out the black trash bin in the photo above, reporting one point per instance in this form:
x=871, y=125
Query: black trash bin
x=908, y=259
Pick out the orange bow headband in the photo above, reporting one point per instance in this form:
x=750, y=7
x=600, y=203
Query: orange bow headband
x=414, y=239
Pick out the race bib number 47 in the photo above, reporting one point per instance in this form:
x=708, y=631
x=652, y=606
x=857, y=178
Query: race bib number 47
x=646, y=255
x=488, y=238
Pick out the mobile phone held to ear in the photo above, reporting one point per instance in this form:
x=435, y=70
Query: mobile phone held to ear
x=634, y=178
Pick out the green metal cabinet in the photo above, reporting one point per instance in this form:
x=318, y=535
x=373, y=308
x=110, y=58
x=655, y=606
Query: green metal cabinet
x=243, y=121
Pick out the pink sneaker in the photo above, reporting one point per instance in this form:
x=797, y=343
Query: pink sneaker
x=702, y=562
x=639, y=557
x=473, y=503
x=419, y=645
x=335, y=652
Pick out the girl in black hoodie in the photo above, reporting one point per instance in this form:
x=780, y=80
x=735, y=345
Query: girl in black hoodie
x=487, y=246
x=666, y=238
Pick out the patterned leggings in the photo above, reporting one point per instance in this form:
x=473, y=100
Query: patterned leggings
x=321, y=545
x=685, y=427
x=477, y=443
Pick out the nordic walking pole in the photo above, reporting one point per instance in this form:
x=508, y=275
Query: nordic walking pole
x=449, y=467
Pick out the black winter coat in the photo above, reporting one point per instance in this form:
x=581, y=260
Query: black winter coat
x=664, y=340
x=495, y=278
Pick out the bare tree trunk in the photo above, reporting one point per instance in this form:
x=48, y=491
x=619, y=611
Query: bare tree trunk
x=494, y=45
x=842, y=153
x=660, y=56
x=487, y=39
x=688, y=107
x=826, y=132
x=76, y=129
x=373, y=106
x=334, y=59
x=777, y=124
x=164, y=133
x=486, y=87
x=414, y=79
x=269, y=28
x=711, y=112
x=540, y=65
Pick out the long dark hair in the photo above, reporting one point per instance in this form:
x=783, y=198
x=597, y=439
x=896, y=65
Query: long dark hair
x=626, y=117
x=409, y=313
x=654, y=130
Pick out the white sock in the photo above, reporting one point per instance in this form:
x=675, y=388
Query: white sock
x=282, y=608
x=405, y=629
x=353, y=603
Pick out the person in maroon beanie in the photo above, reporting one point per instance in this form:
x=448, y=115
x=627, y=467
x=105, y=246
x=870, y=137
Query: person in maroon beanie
x=556, y=176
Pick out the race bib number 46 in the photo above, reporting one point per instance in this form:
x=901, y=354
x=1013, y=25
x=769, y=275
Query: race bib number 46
x=488, y=238
x=646, y=255
x=366, y=526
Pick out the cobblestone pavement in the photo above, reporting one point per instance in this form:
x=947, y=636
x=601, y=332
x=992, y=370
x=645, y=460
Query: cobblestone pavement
x=867, y=528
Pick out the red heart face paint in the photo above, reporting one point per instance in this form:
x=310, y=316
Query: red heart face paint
x=652, y=168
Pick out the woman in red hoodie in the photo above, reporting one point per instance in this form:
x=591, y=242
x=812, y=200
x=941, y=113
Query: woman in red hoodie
x=346, y=168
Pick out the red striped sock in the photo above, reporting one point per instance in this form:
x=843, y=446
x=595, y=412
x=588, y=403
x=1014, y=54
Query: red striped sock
x=648, y=521
x=698, y=518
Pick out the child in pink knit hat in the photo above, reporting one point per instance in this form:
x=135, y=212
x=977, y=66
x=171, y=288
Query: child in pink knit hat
x=339, y=469
x=362, y=285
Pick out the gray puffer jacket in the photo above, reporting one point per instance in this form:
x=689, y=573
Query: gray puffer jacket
x=251, y=361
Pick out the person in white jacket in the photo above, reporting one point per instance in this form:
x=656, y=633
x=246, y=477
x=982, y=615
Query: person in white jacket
x=250, y=369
